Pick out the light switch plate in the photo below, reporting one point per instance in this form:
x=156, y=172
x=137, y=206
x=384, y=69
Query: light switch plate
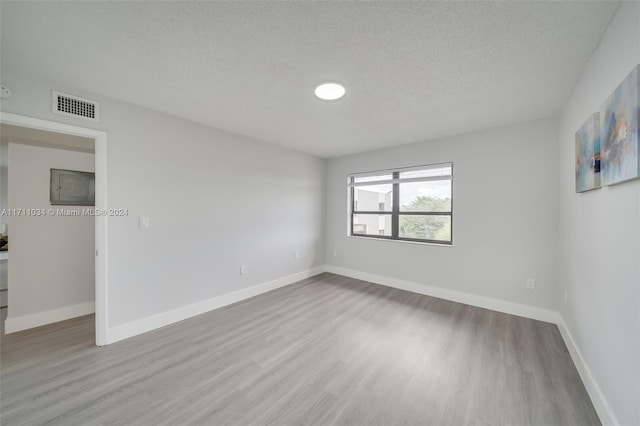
x=144, y=222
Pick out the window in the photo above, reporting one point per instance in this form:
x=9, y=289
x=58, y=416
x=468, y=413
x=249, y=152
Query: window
x=410, y=204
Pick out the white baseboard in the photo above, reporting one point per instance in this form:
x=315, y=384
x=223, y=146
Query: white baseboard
x=526, y=311
x=134, y=328
x=25, y=322
x=607, y=417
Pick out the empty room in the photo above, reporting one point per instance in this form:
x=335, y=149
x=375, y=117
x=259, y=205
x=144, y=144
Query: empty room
x=310, y=212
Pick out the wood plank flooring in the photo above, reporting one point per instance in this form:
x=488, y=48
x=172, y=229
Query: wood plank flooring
x=326, y=350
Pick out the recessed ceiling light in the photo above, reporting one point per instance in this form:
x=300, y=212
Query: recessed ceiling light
x=330, y=91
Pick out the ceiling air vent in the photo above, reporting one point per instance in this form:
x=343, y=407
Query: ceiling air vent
x=73, y=106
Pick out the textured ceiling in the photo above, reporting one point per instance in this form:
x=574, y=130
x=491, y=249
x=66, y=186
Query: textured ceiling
x=413, y=70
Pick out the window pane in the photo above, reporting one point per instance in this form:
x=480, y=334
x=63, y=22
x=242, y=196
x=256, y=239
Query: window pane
x=372, y=224
x=373, y=198
x=430, y=196
x=425, y=227
x=430, y=172
x=360, y=179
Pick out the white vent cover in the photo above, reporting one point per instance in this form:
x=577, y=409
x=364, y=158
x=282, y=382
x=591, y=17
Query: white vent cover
x=74, y=106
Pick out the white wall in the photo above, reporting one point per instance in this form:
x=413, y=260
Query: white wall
x=4, y=153
x=52, y=257
x=215, y=201
x=599, y=235
x=504, y=215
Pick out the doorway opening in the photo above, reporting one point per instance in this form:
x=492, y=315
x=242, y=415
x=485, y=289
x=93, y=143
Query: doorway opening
x=58, y=136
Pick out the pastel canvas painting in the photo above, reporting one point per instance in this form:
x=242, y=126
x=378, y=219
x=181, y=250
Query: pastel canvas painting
x=588, y=155
x=619, y=131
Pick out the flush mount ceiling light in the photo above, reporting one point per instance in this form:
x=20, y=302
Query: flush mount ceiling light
x=330, y=91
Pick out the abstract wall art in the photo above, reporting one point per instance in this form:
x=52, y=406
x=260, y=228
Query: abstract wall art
x=588, y=155
x=620, y=142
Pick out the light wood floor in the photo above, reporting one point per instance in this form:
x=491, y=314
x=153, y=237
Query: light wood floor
x=327, y=350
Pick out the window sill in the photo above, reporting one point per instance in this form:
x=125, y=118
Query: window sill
x=400, y=241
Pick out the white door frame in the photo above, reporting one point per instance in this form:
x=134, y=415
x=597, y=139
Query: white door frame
x=100, y=138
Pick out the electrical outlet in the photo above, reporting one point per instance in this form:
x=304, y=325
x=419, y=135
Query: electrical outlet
x=243, y=270
x=566, y=298
x=531, y=284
